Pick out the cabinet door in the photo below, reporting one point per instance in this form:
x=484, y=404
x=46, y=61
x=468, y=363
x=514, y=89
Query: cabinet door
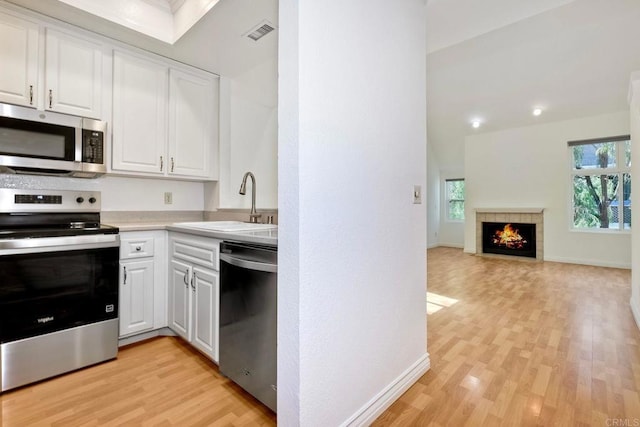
x=193, y=123
x=206, y=292
x=179, y=298
x=19, y=53
x=73, y=75
x=139, y=127
x=136, y=296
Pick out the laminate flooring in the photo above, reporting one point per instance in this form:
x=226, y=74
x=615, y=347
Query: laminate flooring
x=159, y=382
x=511, y=343
x=517, y=343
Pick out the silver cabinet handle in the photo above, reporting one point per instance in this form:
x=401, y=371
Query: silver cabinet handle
x=30, y=94
x=192, y=279
x=172, y=164
x=124, y=282
x=50, y=98
x=161, y=163
x=184, y=278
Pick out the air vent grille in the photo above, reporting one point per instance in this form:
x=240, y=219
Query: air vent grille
x=260, y=31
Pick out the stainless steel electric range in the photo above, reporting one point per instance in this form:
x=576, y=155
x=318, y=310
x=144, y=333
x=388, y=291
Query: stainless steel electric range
x=58, y=284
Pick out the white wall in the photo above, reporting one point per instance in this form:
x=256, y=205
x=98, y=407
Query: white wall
x=432, y=198
x=352, y=143
x=120, y=193
x=635, y=194
x=451, y=232
x=249, y=139
x=530, y=167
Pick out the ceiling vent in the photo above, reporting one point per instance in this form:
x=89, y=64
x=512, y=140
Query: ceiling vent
x=260, y=30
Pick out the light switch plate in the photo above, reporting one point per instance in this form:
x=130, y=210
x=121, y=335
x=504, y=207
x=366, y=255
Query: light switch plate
x=417, y=194
x=168, y=198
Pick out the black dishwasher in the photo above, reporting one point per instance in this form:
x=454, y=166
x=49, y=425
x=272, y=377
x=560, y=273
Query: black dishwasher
x=248, y=318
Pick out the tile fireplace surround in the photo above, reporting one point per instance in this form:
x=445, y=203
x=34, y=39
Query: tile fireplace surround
x=519, y=215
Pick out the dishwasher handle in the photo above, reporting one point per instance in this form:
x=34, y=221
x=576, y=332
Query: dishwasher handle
x=249, y=265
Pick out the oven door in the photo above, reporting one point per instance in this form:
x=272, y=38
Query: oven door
x=55, y=283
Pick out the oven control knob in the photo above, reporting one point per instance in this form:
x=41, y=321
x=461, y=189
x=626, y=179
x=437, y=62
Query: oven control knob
x=92, y=199
x=80, y=200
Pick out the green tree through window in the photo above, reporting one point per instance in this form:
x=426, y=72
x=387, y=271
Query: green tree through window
x=455, y=199
x=601, y=182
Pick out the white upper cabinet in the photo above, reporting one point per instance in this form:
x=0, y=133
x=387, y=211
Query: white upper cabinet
x=73, y=75
x=165, y=120
x=139, y=129
x=72, y=69
x=193, y=122
x=19, y=53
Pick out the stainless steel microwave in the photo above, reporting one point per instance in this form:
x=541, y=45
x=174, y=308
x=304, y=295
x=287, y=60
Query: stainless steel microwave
x=47, y=143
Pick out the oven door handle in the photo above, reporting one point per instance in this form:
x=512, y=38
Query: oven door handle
x=64, y=243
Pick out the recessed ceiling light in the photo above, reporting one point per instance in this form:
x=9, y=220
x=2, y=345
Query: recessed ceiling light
x=475, y=124
x=537, y=111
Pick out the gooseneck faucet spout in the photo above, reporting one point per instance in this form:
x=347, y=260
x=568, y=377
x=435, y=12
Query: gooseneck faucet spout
x=253, y=215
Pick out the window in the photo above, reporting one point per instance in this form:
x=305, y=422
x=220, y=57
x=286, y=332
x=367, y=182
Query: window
x=455, y=199
x=601, y=181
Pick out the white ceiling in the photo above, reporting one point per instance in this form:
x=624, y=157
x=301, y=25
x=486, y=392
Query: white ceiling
x=450, y=22
x=165, y=20
x=573, y=60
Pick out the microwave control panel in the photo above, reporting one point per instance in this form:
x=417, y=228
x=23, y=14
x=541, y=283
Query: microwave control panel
x=92, y=146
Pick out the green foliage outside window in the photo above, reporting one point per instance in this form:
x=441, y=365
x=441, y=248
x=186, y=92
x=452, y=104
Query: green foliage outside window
x=602, y=184
x=455, y=199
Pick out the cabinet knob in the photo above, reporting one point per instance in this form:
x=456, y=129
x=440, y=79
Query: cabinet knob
x=80, y=199
x=138, y=248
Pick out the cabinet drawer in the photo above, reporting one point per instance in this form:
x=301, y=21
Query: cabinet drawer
x=201, y=252
x=136, y=248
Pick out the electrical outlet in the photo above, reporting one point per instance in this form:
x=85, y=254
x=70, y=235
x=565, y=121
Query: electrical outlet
x=417, y=194
x=168, y=198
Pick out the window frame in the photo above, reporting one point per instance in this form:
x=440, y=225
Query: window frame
x=619, y=169
x=448, y=201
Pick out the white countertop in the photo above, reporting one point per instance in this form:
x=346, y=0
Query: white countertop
x=265, y=237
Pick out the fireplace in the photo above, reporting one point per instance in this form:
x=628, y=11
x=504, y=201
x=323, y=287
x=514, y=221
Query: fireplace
x=517, y=239
x=529, y=223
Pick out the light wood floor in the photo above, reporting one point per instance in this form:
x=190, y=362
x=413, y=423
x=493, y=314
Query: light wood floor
x=526, y=343
x=512, y=343
x=161, y=382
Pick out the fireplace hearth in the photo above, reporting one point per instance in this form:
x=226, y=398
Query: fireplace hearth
x=529, y=223
x=517, y=239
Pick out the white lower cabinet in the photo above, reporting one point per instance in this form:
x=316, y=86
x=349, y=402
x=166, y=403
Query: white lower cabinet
x=194, y=291
x=142, y=282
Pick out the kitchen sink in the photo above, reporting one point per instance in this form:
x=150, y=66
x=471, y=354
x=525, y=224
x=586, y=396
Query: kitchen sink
x=228, y=226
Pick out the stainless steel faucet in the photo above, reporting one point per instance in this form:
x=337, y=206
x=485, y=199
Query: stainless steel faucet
x=253, y=215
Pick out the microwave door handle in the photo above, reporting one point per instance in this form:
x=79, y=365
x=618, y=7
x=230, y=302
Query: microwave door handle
x=78, y=156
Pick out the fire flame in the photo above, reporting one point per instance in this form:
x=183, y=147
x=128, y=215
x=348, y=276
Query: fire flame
x=509, y=237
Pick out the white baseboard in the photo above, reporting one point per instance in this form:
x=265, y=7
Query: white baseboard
x=432, y=245
x=451, y=245
x=164, y=332
x=594, y=262
x=635, y=310
x=376, y=406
